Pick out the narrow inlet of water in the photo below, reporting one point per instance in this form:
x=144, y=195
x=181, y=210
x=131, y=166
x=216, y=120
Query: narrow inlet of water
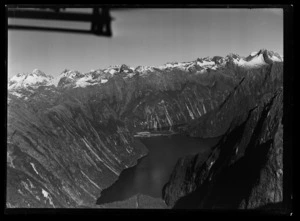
x=153, y=171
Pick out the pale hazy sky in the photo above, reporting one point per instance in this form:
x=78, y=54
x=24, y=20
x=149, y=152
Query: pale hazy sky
x=145, y=37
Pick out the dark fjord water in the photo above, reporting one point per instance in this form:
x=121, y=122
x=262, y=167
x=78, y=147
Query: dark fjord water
x=153, y=171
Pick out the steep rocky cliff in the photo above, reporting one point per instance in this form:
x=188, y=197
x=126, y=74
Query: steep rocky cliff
x=245, y=168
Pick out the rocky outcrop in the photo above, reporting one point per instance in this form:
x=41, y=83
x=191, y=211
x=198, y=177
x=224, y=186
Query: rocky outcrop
x=245, y=168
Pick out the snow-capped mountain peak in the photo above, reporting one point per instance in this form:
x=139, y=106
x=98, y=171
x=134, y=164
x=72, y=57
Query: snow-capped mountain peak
x=38, y=72
x=257, y=59
x=268, y=55
x=35, y=79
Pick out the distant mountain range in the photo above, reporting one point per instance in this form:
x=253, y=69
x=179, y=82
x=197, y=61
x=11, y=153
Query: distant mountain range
x=69, y=78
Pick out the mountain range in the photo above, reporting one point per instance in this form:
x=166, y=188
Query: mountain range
x=69, y=78
x=71, y=136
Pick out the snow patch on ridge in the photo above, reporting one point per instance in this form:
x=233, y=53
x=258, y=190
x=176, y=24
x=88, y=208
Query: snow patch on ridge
x=205, y=63
x=47, y=196
x=17, y=94
x=112, y=71
x=254, y=62
x=275, y=58
x=254, y=53
x=33, y=166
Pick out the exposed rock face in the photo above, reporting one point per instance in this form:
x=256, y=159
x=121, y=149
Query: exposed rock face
x=245, y=168
x=68, y=141
x=269, y=188
x=60, y=156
